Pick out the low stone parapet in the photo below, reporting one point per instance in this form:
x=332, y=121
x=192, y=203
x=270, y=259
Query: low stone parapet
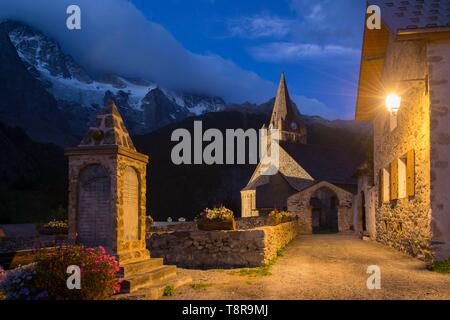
x=251, y=222
x=222, y=249
x=13, y=244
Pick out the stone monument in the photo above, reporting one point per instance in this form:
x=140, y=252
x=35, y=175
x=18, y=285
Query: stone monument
x=107, y=195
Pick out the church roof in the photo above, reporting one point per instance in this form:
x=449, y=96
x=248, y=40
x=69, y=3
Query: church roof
x=298, y=184
x=259, y=181
x=325, y=163
x=414, y=14
x=108, y=129
x=284, y=111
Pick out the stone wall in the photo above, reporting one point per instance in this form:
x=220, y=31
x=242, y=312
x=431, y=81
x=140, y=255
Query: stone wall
x=251, y=222
x=439, y=66
x=13, y=244
x=299, y=204
x=214, y=249
x=178, y=226
x=405, y=223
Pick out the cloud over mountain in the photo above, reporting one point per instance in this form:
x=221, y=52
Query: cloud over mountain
x=115, y=37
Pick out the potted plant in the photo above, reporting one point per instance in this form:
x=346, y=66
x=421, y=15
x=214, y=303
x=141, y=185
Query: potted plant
x=219, y=218
x=54, y=228
x=276, y=217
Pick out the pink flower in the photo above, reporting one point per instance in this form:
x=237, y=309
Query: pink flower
x=102, y=249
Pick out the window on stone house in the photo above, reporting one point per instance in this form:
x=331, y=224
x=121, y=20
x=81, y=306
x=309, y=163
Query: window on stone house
x=385, y=186
x=402, y=174
x=410, y=174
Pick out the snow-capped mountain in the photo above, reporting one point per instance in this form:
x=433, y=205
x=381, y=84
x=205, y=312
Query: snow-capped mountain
x=144, y=105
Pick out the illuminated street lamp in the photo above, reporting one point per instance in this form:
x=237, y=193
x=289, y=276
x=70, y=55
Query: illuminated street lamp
x=393, y=102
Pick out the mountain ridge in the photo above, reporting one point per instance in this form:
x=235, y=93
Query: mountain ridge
x=74, y=96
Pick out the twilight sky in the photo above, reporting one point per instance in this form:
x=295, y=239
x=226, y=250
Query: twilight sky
x=231, y=48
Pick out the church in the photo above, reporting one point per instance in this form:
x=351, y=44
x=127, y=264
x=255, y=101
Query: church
x=315, y=182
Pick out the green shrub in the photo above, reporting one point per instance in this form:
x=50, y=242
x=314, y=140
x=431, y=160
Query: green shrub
x=169, y=291
x=276, y=217
x=98, y=273
x=441, y=266
x=265, y=269
x=47, y=277
x=200, y=286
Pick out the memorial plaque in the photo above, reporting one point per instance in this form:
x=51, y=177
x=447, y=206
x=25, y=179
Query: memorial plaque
x=94, y=207
x=131, y=204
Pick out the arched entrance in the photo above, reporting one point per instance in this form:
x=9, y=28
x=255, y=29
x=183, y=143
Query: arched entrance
x=94, y=207
x=131, y=193
x=324, y=203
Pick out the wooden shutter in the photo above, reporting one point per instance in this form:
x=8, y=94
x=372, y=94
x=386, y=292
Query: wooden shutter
x=381, y=185
x=410, y=174
x=394, y=179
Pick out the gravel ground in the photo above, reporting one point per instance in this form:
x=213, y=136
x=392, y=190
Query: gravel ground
x=323, y=267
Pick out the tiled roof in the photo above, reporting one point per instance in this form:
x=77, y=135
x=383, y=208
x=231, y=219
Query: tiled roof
x=414, y=14
x=259, y=181
x=325, y=163
x=296, y=183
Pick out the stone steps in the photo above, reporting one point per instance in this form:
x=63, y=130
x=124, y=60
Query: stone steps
x=148, y=278
x=131, y=269
x=155, y=291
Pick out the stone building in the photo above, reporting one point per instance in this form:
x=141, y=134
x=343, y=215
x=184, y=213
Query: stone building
x=313, y=181
x=404, y=190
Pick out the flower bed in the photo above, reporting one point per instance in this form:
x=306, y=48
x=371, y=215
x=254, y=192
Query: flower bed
x=216, y=219
x=47, y=277
x=276, y=217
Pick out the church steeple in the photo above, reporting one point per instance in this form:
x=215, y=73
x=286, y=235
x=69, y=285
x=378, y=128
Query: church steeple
x=285, y=116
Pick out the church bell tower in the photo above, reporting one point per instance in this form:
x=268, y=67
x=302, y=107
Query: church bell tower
x=285, y=116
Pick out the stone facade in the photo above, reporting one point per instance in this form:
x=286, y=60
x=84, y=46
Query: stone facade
x=405, y=223
x=438, y=57
x=248, y=204
x=107, y=193
x=300, y=205
x=213, y=249
x=412, y=144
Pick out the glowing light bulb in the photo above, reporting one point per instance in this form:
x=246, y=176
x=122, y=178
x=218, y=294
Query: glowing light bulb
x=393, y=102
